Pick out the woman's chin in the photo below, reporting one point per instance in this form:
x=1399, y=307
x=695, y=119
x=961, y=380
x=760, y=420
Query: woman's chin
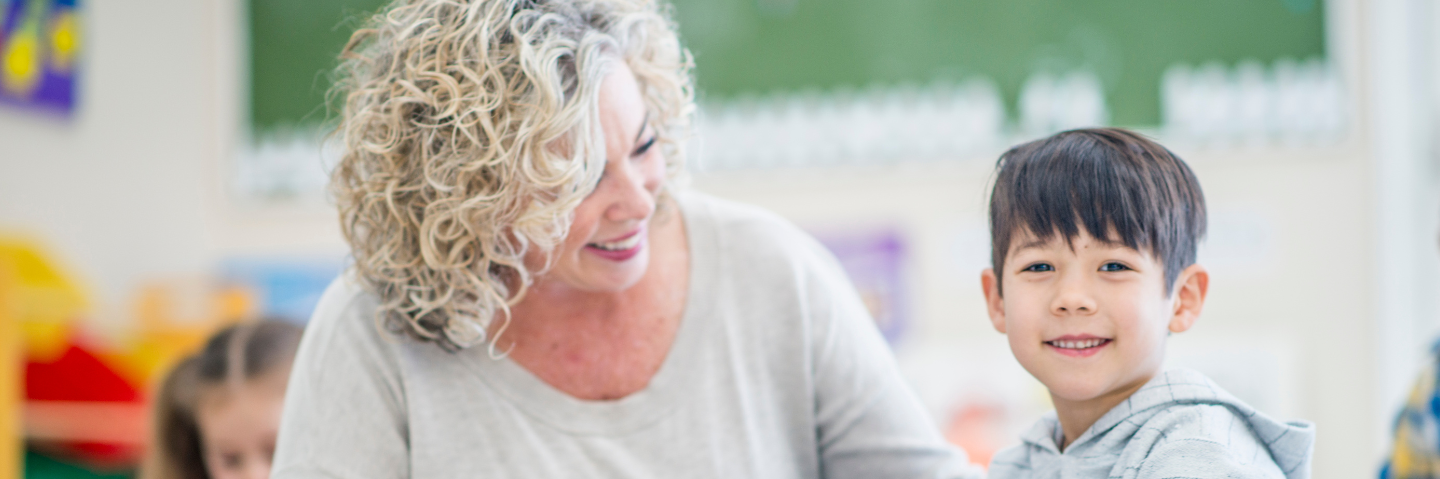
x=616, y=276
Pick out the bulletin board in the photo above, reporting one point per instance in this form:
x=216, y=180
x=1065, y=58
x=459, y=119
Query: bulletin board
x=39, y=52
x=763, y=46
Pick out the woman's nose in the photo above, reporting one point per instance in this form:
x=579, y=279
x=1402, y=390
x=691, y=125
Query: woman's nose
x=632, y=199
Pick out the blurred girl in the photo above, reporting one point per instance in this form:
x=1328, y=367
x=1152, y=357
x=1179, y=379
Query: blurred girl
x=217, y=412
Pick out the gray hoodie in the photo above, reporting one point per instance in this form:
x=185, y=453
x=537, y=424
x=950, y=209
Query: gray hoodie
x=1179, y=425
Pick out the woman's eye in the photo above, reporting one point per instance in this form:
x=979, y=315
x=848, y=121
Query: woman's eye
x=1113, y=266
x=598, y=181
x=644, y=147
x=1039, y=268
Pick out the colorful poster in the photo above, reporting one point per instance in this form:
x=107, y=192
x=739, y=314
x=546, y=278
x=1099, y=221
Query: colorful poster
x=39, y=43
x=874, y=259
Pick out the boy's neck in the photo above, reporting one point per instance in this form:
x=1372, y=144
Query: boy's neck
x=1077, y=416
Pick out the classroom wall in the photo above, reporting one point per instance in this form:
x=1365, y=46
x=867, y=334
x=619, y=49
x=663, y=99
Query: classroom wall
x=132, y=188
x=126, y=187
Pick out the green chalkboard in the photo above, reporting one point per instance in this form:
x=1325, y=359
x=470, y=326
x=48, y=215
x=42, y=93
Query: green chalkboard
x=762, y=46
x=765, y=45
x=293, y=48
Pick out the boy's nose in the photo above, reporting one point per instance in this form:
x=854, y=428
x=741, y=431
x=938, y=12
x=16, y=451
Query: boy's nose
x=1072, y=299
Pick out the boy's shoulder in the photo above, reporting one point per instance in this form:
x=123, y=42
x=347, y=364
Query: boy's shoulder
x=1182, y=421
x=1182, y=439
x=1179, y=424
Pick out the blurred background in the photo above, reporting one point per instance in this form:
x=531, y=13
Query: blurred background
x=163, y=164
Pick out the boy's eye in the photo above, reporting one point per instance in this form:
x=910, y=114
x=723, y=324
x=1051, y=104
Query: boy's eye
x=1039, y=268
x=1113, y=266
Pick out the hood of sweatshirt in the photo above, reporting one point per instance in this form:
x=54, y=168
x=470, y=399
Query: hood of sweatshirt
x=1289, y=443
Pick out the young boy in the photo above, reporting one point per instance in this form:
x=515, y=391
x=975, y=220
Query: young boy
x=1094, y=235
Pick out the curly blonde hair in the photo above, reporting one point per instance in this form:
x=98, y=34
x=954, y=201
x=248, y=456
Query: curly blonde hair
x=471, y=133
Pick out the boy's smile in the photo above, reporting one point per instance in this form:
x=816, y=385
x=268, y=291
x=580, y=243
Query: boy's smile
x=1089, y=318
x=1078, y=345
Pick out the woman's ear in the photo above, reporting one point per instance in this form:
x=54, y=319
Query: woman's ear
x=993, y=303
x=1189, y=294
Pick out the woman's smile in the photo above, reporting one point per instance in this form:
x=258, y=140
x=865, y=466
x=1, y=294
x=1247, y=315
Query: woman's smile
x=619, y=249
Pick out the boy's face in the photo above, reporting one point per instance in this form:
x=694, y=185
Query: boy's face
x=1091, y=319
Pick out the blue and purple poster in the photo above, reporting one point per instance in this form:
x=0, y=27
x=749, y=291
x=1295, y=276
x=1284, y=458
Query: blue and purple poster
x=875, y=261
x=39, y=45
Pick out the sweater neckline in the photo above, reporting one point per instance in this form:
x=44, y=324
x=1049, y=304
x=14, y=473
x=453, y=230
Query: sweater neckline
x=662, y=396
x=1168, y=387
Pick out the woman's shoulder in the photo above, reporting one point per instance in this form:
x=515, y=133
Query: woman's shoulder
x=345, y=314
x=727, y=214
x=345, y=297
x=745, y=232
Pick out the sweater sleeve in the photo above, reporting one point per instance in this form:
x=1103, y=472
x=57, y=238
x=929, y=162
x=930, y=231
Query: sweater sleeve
x=870, y=424
x=344, y=406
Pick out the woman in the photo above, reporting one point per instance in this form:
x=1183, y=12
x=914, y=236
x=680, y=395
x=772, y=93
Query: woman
x=530, y=296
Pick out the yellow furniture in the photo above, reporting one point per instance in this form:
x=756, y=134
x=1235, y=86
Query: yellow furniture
x=36, y=302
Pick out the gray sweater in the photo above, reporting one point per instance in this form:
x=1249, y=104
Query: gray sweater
x=1179, y=425
x=777, y=371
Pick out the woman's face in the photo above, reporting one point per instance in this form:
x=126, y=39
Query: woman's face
x=608, y=248
x=238, y=427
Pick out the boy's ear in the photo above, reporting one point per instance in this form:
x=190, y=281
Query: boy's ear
x=1190, y=290
x=993, y=303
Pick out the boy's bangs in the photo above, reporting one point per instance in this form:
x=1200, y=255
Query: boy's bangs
x=1115, y=185
x=1048, y=201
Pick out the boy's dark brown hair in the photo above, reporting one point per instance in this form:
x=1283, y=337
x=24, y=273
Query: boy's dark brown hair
x=1114, y=184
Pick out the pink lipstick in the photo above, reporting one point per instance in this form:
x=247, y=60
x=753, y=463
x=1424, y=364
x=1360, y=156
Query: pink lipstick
x=619, y=249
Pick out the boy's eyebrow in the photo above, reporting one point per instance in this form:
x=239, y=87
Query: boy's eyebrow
x=1033, y=243
x=1040, y=244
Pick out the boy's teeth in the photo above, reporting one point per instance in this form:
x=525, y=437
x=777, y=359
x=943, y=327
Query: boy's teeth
x=1078, y=344
x=621, y=245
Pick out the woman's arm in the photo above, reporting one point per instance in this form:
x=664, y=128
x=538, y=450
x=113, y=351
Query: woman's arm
x=345, y=405
x=870, y=422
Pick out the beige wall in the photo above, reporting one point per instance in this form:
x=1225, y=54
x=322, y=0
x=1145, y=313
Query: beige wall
x=132, y=187
x=126, y=187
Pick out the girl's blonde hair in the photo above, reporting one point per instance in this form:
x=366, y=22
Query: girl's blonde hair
x=231, y=357
x=471, y=133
